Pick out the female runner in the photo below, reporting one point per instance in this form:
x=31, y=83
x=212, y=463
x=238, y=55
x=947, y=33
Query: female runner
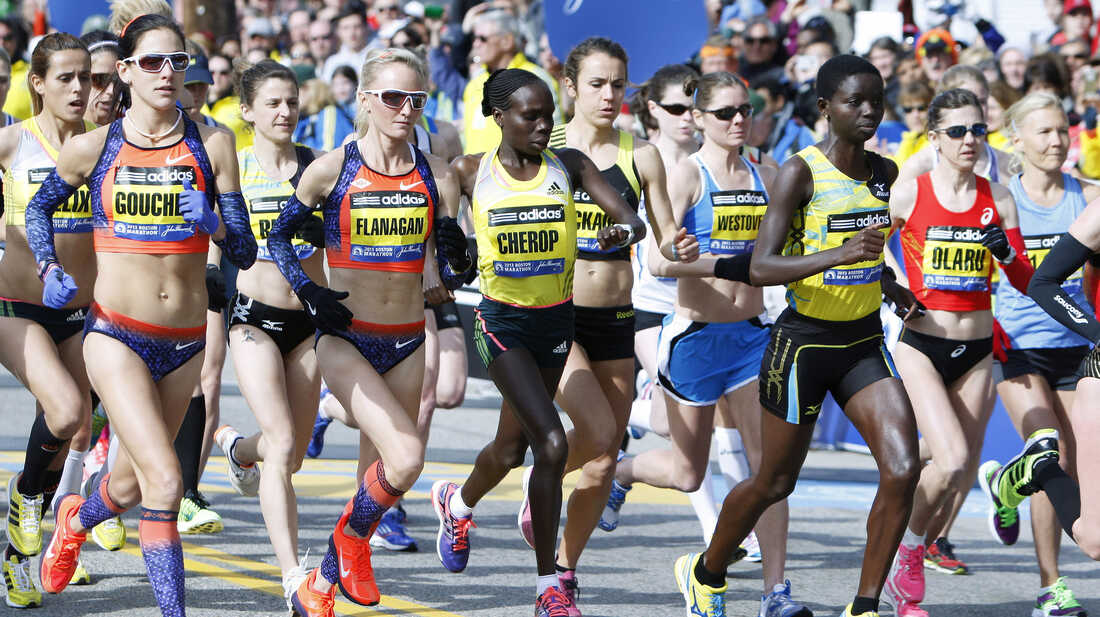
x=152, y=176
x=38, y=344
x=952, y=222
x=103, y=46
x=1042, y=356
x=379, y=195
x=821, y=235
x=526, y=226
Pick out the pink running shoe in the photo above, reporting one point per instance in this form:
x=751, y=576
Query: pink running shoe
x=526, y=527
x=569, y=588
x=905, y=582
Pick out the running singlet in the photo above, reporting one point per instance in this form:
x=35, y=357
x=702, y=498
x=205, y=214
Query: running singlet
x=526, y=233
x=623, y=177
x=1028, y=326
x=34, y=159
x=379, y=222
x=266, y=198
x=839, y=208
x=726, y=222
x=135, y=194
x=947, y=266
x=656, y=294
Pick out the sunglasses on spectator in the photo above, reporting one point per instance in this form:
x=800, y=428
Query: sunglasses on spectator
x=757, y=40
x=726, y=114
x=395, y=99
x=979, y=129
x=154, y=63
x=908, y=109
x=676, y=109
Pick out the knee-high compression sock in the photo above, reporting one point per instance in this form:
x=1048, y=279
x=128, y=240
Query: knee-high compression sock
x=71, y=475
x=99, y=507
x=42, y=448
x=702, y=500
x=112, y=452
x=374, y=497
x=1063, y=492
x=731, y=455
x=160, y=546
x=189, y=442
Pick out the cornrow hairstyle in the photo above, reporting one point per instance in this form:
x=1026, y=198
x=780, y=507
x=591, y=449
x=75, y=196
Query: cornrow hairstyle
x=587, y=47
x=837, y=69
x=702, y=89
x=128, y=42
x=956, y=98
x=498, y=90
x=40, y=60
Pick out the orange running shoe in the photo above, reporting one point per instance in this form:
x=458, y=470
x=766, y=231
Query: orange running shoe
x=310, y=603
x=353, y=557
x=60, y=559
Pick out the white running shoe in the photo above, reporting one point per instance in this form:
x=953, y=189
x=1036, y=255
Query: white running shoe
x=245, y=480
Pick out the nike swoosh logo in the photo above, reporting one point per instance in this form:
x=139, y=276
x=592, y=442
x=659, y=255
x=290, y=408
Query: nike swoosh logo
x=309, y=307
x=172, y=161
x=344, y=573
x=405, y=187
x=179, y=347
x=405, y=343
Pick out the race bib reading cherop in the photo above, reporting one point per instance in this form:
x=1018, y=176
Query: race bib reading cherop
x=954, y=259
x=387, y=226
x=841, y=227
x=146, y=202
x=737, y=216
x=527, y=241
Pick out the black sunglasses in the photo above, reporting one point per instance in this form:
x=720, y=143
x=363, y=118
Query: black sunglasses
x=727, y=113
x=908, y=109
x=676, y=109
x=757, y=40
x=979, y=129
x=101, y=80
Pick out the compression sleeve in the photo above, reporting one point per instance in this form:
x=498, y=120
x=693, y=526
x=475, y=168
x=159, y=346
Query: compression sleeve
x=1019, y=270
x=1063, y=260
x=292, y=217
x=734, y=268
x=451, y=280
x=239, y=244
x=53, y=192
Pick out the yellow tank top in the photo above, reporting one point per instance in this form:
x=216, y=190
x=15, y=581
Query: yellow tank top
x=526, y=233
x=266, y=198
x=34, y=159
x=840, y=208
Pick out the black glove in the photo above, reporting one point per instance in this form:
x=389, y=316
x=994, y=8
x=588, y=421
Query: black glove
x=734, y=268
x=1089, y=118
x=215, y=289
x=450, y=239
x=313, y=231
x=324, y=308
x=997, y=242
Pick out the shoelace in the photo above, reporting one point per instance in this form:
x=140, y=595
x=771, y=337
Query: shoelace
x=21, y=572
x=1063, y=596
x=461, y=531
x=199, y=500
x=361, y=559
x=1007, y=516
x=616, y=498
x=555, y=602
x=28, y=514
x=570, y=589
x=718, y=605
x=911, y=563
x=111, y=524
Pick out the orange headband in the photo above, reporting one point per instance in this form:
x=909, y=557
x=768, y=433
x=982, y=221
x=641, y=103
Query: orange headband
x=123, y=33
x=710, y=51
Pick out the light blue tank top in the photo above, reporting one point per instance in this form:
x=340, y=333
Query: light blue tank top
x=726, y=222
x=1027, y=325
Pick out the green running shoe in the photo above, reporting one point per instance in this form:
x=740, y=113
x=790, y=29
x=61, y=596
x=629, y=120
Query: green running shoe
x=1013, y=482
x=1057, y=601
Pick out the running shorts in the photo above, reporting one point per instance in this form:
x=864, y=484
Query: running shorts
x=383, y=345
x=1059, y=366
x=952, y=359
x=545, y=332
x=287, y=327
x=60, y=324
x=605, y=333
x=699, y=362
x=163, y=349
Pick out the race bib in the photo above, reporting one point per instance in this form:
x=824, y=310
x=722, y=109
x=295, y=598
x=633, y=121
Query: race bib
x=74, y=216
x=590, y=220
x=528, y=240
x=839, y=229
x=388, y=226
x=954, y=259
x=262, y=212
x=737, y=216
x=1038, y=247
x=146, y=202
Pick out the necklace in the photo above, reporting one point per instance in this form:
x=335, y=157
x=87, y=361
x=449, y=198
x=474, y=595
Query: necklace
x=179, y=117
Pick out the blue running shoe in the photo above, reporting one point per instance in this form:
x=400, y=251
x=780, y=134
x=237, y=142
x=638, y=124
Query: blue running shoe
x=778, y=603
x=317, y=442
x=453, y=541
x=609, y=520
x=390, y=533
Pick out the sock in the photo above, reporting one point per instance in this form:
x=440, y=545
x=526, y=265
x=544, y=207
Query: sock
x=1063, y=492
x=188, y=442
x=863, y=605
x=562, y=569
x=71, y=476
x=330, y=571
x=911, y=539
x=702, y=500
x=639, y=414
x=546, y=582
x=374, y=497
x=160, y=546
x=731, y=455
x=708, y=578
x=42, y=448
x=99, y=507
x=112, y=452
x=459, y=507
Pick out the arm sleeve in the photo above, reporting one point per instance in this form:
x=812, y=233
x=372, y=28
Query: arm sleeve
x=1019, y=270
x=239, y=244
x=292, y=217
x=1046, y=287
x=451, y=280
x=53, y=192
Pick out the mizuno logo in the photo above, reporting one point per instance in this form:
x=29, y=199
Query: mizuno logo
x=405, y=187
x=360, y=183
x=179, y=346
x=276, y=326
x=168, y=160
x=401, y=344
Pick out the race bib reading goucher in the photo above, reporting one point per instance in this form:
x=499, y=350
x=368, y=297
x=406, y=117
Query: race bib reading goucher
x=840, y=228
x=146, y=202
x=954, y=259
x=737, y=216
x=387, y=226
x=527, y=239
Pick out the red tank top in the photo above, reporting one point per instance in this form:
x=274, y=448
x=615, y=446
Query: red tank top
x=947, y=266
x=383, y=221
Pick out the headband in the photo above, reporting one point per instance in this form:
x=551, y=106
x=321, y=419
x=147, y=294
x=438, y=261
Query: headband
x=95, y=46
x=710, y=51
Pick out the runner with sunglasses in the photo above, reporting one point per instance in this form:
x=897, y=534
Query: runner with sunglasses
x=952, y=224
x=154, y=177
x=39, y=344
x=103, y=46
x=526, y=224
x=379, y=196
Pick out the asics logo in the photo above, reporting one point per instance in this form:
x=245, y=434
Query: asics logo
x=958, y=351
x=987, y=216
x=405, y=187
x=401, y=344
x=309, y=307
x=179, y=346
x=169, y=160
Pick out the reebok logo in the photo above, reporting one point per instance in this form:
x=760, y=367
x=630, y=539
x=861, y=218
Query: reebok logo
x=555, y=190
x=405, y=187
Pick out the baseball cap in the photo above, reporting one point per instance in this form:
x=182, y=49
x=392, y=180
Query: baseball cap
x=1072, y=5
x=198, y=72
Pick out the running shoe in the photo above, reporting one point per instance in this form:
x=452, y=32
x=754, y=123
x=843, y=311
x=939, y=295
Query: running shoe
x=96, y=458
x=292, y=580
x=848, y=613
x=24, y=519
x=906, y=579
x=1013, y=482
x=20, y=583
x=609, y=520
x=310, y=603
x=196, y=515
x=453, y=540
x=244, y=478
x=1058, y=601
x=523, y=521
x=778, y=603
x=320, y=425
x=940, y=556
x=62, y=555
x=699, y=599
x=390, y=533
x=1003, y=522
x=110, y=535
x=551, y=603
x=80, y=575
x=353, y=555
x=567, y=582
x=751, y=547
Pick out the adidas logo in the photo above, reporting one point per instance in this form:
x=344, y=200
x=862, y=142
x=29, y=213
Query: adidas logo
x=77, y=316
x=555, y=189
x=563, y=348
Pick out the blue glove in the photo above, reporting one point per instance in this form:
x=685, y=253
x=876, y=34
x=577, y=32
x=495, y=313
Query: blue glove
x=195, y=208
x=58, y=288
x=1089, y=118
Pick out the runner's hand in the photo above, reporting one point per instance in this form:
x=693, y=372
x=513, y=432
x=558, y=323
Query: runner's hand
x=215, y=288
x=58, y=288
x=906, y=305
x=324, y=307
x=996, y=241
x=452, y=241
x=195, y=208
x=864, y=246
x=313, y=231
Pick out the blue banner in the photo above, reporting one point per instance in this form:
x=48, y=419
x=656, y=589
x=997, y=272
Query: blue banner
x=653, y=32
x=69, y=15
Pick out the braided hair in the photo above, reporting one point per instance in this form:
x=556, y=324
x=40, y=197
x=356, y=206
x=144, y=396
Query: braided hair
x=497, y=92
